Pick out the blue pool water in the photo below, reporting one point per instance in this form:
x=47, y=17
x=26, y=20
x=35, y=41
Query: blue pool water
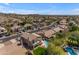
x=46, y=43
x=70, y=50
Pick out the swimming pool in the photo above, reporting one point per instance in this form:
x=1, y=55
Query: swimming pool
x=46, y=43
x=70, y=51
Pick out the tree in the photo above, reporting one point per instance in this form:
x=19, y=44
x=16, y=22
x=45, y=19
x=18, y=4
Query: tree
x=73, y=27
x=57, y=42
x=40, y=51
x=60, y=34
x=22, y=23
x=73, y=39
x=55, y=50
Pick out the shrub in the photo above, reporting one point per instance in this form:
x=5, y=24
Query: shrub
x=73, y=39
x=40, y=51
x=55, y=50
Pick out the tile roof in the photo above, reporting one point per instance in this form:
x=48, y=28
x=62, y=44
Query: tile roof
x=49, y=33
x=29, y=36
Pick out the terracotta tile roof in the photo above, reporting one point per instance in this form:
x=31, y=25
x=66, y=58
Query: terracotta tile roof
x=49, y=33
x=29, y=36
x=39, y=32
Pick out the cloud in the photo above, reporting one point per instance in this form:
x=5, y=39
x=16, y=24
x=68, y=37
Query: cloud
x=7, y=9
x=74, y=11
x=6, y=4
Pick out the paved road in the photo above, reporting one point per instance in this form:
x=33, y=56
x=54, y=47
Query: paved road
x=6, y=38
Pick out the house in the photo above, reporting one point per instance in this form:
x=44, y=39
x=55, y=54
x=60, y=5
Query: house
x=46, y=33
x=29, y=40
x=63, y=26
x=63, y=22
x=57, y=29
x=15, y=28
x=40, y=32
x=49, y=33
x=28, y=26
x=2, y=30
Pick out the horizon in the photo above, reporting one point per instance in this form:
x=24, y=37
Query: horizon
x=40, y=8
x=40, y=14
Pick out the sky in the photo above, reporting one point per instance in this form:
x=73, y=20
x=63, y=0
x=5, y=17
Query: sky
x=40, y=8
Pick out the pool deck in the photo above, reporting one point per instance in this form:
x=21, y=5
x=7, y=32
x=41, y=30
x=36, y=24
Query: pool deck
x=77, y=51
x=46, y=43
